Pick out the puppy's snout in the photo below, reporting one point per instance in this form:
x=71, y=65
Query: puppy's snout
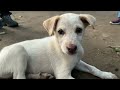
x=72, y=48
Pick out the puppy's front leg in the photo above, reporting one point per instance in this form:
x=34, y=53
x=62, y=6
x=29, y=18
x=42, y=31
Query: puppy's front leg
x=63, y=75
x=93, y=70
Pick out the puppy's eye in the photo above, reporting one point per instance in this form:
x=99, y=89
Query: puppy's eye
x=78, y=30
x=61, y=32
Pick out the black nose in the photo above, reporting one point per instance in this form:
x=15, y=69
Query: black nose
x=72, y=49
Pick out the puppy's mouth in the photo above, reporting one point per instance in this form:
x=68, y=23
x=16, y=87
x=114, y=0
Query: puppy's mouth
x=72, y=52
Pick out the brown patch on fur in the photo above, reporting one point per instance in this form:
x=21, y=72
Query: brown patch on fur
x=84, y=20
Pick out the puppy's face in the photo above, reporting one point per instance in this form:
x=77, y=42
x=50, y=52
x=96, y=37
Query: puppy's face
x=68, y=29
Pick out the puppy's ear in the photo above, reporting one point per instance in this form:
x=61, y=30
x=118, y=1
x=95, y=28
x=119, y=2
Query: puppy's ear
x=88, y=19
x=50, y=24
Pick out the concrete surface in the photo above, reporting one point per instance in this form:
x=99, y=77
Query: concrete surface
x=95, y=41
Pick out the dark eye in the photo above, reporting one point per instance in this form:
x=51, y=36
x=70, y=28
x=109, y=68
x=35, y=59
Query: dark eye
x=61, y=32
x=78, y=30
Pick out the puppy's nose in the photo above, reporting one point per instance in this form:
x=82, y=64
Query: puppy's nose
x=72, y=48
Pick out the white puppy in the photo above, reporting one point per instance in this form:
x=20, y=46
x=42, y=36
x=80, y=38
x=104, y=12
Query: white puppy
x=57, y=54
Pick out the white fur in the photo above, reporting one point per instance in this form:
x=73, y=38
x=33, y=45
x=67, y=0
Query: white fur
x=50, y=54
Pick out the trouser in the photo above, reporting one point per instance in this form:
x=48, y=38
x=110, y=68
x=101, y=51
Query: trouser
x=4, y=12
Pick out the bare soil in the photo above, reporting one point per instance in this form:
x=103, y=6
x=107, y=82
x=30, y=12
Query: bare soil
x=95, y=43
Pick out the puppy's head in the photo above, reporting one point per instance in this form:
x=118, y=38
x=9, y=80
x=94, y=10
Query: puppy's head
x=68, y=29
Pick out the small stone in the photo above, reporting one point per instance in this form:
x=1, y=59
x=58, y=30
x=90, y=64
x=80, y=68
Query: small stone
x=20, y=16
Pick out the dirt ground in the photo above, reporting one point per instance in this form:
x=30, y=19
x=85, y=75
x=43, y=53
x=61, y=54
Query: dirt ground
x=95, y=41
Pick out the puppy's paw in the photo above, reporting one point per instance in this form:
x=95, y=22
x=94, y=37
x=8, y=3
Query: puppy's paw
x=108, y=75
x=41, y=75
x=46, y=76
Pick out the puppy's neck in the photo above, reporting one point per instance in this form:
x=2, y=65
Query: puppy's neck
x=56, y=44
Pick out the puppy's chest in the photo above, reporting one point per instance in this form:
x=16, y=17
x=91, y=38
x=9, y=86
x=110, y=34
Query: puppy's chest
x=72, y=61
x=63, y=62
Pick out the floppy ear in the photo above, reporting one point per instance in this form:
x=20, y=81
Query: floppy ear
x=88, y=19
x=50, y=24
